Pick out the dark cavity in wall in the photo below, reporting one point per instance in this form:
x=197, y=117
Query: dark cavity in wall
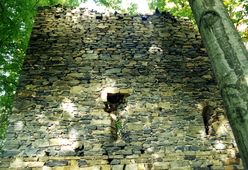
x=206, y=115
x=114, y=105
x=212, y=119
x=113, y=101
x=79, y=150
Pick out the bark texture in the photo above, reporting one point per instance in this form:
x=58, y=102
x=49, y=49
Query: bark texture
x=229, y=60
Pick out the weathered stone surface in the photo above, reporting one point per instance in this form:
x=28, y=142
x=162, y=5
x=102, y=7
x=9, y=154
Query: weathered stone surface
x=113, y=71
x=115, y=162
x=56, y=163
x=77, y=89
x=131, y=167
x=60, y=116
x=91, y=168
x=161, y=165
x=82, y=163
x=90, y=56
x=34, y=164
x=117, y=167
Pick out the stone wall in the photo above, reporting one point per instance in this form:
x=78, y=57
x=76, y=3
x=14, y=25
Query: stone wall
x=113, y=91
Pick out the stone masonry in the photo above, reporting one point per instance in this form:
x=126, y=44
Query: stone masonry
x=111, y=91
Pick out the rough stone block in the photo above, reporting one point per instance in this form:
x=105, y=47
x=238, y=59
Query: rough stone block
x=161, y=165
x=101, y=122
x=59, y=141
x=90, y=56
x=55, y=163
x=62, y=168
x=131, y=167
x=4, y=164
x=113, y=71
x=82, y=163
x=134, y=126
x=126, y=91
x=180, y=164
x=91, y=168
x=117, y=167
x=17, y=163
x=115, y=162
x=77, y=89
x=34, y=164
x=10, y=153
x=105, y=167
x=142, y=166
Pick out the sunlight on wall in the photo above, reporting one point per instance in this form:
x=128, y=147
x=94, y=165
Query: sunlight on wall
x=155, y=155
x=124, y=112
x=219, y=145
x=19, y=125
x=110, y=82
x=108, y=86
x=222, y=127
x=202, y=134
x=68, y=107
x=73, y=134
x=232, y=153
x=17, y=163
x=41, y=118
x=107, y=90
x=155, y=49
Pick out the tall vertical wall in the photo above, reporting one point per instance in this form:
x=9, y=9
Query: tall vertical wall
x=84, y=69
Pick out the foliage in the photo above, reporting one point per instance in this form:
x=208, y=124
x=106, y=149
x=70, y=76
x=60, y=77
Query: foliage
x=238, y=11
x=132, y=9
x=61, y=2
x=118, y=126
x=179, y=8
x=16, y=23
x=114, y=4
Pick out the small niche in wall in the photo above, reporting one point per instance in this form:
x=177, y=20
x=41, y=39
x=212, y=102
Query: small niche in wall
x=115, y=102
x=207, y=112
x=214, y=120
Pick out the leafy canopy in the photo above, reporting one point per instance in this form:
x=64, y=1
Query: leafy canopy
x=16, y=19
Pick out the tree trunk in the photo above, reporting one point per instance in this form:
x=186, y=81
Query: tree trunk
x=229, y=60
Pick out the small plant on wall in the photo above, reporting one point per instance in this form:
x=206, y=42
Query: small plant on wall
x=114, y=105
x=118, y=127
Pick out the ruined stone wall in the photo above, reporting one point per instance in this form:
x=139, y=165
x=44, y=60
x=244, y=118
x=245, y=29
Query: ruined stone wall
x=101, y=91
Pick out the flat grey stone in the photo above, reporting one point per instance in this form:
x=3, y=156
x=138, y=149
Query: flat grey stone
x=53, y=163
